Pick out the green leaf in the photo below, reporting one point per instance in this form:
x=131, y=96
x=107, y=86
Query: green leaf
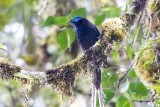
x=138, y=89
x=62, y=40
x=112, y=11
x=78, y=12
x=115, y=55
x=132, y=73
x=49, y=21
x=60, y=20
x=99, y=19
x=123, y=102
x=129, y=51
x=65, y=38
x=157, y=103
x=134, y=96
x=70, y=37
x=108, y=80
x=136, y=35
x=109, y=94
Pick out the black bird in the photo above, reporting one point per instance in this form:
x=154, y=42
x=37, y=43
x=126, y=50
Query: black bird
x=88, y=35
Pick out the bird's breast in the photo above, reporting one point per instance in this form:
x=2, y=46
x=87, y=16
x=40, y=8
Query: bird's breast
x=87, y=35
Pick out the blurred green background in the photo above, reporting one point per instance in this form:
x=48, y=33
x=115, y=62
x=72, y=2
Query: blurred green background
x=34, y=35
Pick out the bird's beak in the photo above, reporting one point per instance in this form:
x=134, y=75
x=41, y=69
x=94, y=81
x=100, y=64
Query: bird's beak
x=69, y=23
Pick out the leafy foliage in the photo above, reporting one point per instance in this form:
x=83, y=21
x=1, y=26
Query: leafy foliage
x=132, y=73
x=137, y=90
x=56, y=36
x=78, y=12
x=123, y=102
x=65, y=38
x=99, y=19
x=111, y=11
x=60, y=21
x=129, y=51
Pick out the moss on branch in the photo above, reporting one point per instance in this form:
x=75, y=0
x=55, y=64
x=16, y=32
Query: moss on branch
x=62, y=78
x=7, y=69
x=147, y=67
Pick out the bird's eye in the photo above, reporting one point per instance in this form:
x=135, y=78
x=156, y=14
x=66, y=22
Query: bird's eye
x=71, y=20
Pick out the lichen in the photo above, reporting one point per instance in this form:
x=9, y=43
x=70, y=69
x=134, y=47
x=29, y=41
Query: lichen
x=62, y=78
x=114, y=29
x=146, y=67
x=153, y=7
x=8, y=71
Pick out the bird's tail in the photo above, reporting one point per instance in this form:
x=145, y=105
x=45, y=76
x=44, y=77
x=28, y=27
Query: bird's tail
x=97, y=83
x=97, y=77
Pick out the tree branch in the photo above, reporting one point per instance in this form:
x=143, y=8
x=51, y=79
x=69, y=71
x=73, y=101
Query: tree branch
x=62, y=78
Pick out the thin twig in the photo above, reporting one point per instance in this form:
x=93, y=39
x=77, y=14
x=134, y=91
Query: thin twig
x=44, y=6
x=149, y=27
x=124, y=75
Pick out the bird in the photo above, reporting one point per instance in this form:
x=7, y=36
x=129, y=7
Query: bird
x=87, y=35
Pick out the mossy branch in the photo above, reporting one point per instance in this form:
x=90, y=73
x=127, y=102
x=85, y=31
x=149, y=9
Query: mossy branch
x=147, y=67
x=62, y=78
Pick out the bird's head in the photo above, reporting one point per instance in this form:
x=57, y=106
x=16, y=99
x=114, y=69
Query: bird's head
x=76, y=21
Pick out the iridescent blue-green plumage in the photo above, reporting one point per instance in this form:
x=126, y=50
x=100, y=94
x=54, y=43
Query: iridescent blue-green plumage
x=86, y=32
